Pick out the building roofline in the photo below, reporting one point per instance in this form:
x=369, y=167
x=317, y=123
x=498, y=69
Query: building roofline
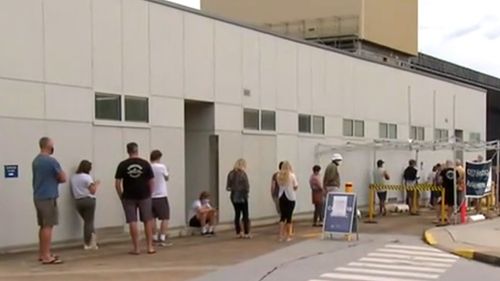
x=305, y=42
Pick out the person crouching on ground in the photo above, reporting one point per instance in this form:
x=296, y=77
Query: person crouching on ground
x=237, y=184
x=84, y=189
x=318, y=195
x=160, y=203
x=287, y=186
x=203, y=215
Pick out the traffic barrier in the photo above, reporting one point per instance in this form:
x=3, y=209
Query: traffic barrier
x=373, y=188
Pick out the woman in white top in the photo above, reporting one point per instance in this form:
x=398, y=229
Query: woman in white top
x=84, y=189
x=287, y=186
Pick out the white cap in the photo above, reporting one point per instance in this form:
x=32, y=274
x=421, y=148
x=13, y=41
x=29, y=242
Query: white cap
x=337, y=157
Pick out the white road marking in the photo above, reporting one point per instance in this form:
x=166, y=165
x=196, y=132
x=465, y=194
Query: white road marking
x=395, y=263
x=343, y=276
x=416, y=263
x=398, y=267
x=388, y=273
x=398, y=246
x=407, y=257
x=418, y=253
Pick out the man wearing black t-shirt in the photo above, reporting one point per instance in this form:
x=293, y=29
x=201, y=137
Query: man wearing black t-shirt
x=447, y=181
x=134, y=182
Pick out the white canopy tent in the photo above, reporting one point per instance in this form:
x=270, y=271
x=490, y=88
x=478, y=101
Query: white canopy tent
x=416, y=146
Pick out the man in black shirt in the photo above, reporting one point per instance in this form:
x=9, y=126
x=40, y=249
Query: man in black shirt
x=410, y=177
x=134, y=182
x=447, y=181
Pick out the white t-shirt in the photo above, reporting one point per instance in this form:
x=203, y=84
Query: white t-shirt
x=197, y=204
x=80, y=184
x=160, y=184
x=288, y=188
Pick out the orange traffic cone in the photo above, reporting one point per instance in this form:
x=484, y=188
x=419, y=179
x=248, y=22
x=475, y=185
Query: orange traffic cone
x=463, y=213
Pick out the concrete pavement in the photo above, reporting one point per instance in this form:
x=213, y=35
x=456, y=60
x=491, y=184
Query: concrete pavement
x=479, y=241
x=190, y=257
x=376, y=257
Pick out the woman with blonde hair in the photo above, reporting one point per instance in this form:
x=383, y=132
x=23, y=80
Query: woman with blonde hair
x=237, y=184
x=287, y=186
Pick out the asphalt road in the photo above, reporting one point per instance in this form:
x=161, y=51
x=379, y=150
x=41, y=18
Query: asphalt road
x=372, y=258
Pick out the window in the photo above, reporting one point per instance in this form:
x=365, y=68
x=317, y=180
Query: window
x=311, y=124
x=268, y=120
x=417, y=133
x=353, y=128
x=441, y=135
x=254, y=119
x=136, y=109
x=388, y=131
x=319, y=125
x=304, y=123
x=475, y=137
x=108, y=107
x=251, y=119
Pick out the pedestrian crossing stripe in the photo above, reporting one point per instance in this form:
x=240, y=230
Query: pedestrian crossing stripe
x=395, y=262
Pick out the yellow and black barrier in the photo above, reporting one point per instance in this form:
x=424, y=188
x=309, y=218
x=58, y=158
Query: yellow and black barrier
x=398, y=187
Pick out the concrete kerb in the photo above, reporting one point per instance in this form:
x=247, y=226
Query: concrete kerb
x=464, y=251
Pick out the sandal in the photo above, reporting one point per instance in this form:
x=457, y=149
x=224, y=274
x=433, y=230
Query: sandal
x=52, y=261
x=51, y=255
x=134, y=253
x=151, y=252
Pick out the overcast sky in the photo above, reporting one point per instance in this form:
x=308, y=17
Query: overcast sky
x=466, y=32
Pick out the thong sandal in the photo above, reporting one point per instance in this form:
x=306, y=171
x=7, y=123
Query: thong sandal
x=52, y=261
x=52, y=256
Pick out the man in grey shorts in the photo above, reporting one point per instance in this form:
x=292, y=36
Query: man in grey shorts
x=47, y=175
x=134, y=182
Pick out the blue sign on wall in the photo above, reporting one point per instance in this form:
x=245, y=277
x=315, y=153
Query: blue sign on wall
x=340, y=213
x=11, y=171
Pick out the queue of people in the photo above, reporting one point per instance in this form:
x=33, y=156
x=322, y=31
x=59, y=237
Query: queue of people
x=141, y=187
x=445, y=175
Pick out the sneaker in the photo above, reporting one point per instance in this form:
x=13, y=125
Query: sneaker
x=165, y=243
x=247, y=236
x=90, y=247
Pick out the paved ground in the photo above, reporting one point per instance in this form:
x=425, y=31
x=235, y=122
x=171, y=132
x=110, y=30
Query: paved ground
x=194, y=256
x=473, y=240
x=373, y=258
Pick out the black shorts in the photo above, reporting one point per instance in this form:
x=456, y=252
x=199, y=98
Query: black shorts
x=161, y=208
x=382, y=196
x=194, y=222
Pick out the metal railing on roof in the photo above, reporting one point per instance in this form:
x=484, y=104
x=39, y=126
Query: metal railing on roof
x=318, y=27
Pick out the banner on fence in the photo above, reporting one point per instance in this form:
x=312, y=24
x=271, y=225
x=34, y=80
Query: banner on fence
x=478, y=179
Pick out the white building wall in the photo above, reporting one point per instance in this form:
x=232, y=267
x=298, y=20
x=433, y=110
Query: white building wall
x=60, y=53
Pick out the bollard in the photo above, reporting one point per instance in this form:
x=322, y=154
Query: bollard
x=371, y=205
x=348, y=187
x=443, y=208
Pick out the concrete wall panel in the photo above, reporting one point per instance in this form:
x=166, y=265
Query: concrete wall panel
x=68, y=42
x=107, y=45
x=22, y=51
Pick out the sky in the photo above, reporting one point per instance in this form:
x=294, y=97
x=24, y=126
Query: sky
x=465, y=32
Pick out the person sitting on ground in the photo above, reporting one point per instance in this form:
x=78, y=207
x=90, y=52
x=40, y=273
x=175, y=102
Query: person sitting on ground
x=203, y=215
